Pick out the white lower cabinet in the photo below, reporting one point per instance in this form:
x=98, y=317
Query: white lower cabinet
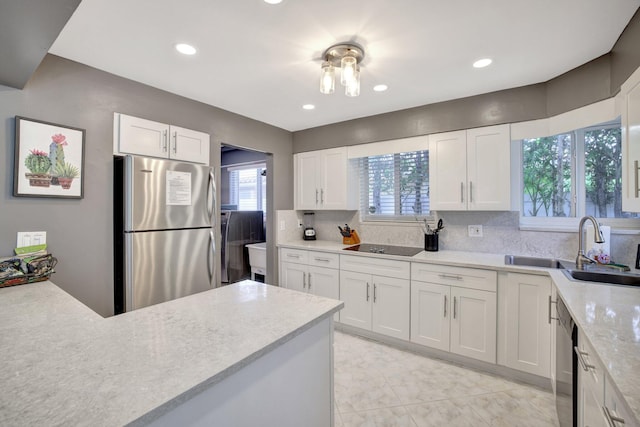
x=309, y=271
x=524, y=312
x=590, y=386
x=375, y=302
x=454, y=309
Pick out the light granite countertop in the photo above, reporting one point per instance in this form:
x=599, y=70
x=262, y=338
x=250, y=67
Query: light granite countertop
x=608, y=315
x=63, y=364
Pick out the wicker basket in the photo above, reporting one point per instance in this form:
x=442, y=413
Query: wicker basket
x=34, y=269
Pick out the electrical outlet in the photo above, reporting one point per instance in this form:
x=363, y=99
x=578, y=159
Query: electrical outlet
x=283, y=225
x=299, y=224
x=475, y=231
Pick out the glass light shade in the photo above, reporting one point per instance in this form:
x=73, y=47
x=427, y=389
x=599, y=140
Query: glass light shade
x=353, y=87
x=348, y=64
x=327, y=78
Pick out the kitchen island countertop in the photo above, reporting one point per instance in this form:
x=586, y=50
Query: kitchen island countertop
x=63, y=364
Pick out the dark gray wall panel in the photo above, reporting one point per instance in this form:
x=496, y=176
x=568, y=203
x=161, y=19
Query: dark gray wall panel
x=581, y=86
x=79, y=232
x=507, y=106
x=625, y=55
x=28, y=28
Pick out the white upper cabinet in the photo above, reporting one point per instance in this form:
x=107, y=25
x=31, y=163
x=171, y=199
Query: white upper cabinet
x=324, y=180
x=133, y=135
x=630, y=93
x=470, y=170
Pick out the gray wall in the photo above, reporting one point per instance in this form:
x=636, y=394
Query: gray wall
x=79, y=232
x=597, y=80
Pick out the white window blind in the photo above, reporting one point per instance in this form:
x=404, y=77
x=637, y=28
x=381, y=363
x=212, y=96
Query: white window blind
x=248, y=187
x=394, y=186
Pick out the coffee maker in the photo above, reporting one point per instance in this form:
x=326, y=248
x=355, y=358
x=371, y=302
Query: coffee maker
x=309, y=232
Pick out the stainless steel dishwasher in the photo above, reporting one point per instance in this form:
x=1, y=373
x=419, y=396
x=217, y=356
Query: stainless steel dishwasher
x=566, y=367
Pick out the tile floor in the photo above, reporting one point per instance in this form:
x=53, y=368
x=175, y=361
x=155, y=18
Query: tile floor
x=377, y=385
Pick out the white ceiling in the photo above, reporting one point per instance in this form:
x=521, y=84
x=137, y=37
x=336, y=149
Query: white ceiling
x=263, y=61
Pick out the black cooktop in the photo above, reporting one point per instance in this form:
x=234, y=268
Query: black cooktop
x=385, y=249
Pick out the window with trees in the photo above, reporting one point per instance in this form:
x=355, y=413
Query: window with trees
x=574, y=174
x=395, y=186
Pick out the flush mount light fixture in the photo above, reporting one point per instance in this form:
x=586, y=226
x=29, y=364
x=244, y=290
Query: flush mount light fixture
x=273, y=1
x=347, y=57
x=185, y=49
x=380, y=88
x=481, y=63
x=308, y=107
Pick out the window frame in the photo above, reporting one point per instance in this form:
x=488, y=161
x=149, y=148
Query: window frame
x=396, y=218
x=578, y=196
x=260, y=194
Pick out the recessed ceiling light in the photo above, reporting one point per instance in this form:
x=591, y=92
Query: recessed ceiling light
x=186, y=49
x=481, y=63
x=380, y=88
x=273, y=1
x=308, y=106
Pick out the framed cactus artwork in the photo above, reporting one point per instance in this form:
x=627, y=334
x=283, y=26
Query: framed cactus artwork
x=49, y=160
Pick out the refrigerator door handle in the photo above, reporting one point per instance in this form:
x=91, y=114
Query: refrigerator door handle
x=211, y=263
x=211, y=205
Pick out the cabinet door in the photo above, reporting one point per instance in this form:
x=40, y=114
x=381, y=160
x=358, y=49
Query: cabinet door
x=614, y=403
x=142, y=137
x=391, y=304
x=307, y=191
x=448, y=171
x=293, y=276
x=333, y=179
x=473, y=324
x=189, y=145
x=488, y=168
x=528, y=332
x=589, y=408
x=430, y=314
x=356, y=293
x=324, y=282
x=631, y=143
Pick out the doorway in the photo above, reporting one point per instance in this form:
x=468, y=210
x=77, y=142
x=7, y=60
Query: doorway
x=244, y=204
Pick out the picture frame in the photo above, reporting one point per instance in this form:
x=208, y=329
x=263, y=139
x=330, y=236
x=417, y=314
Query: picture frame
x=48, y=160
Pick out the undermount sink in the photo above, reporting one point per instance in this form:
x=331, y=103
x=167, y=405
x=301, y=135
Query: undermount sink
x=616, y=278
x=532, y=261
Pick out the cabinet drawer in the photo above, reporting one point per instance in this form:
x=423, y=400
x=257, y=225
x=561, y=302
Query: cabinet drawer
x=472, y=278
x=591, y=367
x=324, y=259
x=375, y=265
x=294, y=255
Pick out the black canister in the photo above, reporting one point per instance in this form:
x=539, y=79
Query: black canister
x=431, y=242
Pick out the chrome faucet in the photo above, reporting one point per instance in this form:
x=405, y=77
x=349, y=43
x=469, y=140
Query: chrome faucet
x=582, y=259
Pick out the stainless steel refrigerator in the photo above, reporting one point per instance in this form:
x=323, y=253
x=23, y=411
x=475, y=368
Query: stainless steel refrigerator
x=164, y=219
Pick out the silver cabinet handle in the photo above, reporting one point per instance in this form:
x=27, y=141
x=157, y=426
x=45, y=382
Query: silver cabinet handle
x=549, y=307
x=293, y=256
x=322, y=259
x=586, y=366
x=304, y=280
x=635, y=174
x=470, y=192
x=316, y=196
x=611, y=419
x=322, y=196
x=367, y=291
x=454, y=307
x=445, y=306
x=374, y=292
x=309, y=281
x=164, y=141
x=449, y=276
x=175, y=142
x=462, y=192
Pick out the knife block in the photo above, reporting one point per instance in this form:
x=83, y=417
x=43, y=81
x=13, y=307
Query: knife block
x=353, y=239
